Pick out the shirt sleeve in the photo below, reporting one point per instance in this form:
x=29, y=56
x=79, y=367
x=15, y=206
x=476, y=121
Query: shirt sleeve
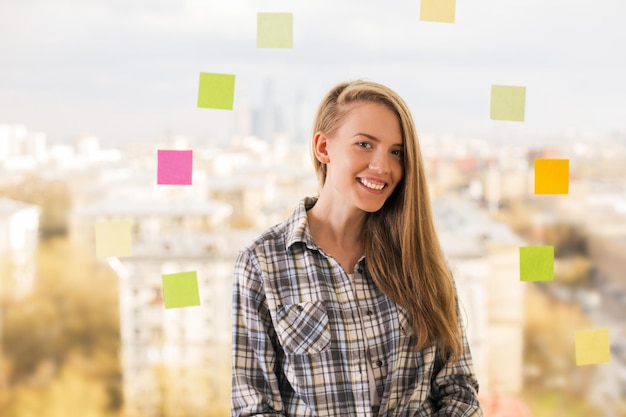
x=255, y=385
x=455, y=387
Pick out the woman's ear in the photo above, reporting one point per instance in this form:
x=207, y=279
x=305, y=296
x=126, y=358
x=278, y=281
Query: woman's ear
x=320, y=147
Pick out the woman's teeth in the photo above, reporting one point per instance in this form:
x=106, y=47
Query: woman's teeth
x=372, y=185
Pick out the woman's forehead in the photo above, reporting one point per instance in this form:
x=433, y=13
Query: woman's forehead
x=374, y=120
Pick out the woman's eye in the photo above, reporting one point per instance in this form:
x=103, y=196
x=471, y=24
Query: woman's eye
x=363, y=144
x=397, y=153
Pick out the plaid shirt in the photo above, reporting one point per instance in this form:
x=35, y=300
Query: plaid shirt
x=299, y=325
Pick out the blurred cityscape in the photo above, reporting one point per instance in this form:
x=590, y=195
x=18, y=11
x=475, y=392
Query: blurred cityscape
x=91, y=337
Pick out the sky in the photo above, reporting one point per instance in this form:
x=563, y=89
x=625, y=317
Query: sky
x=127, y=70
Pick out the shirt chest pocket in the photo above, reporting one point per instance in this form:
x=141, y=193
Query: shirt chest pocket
x=303, y=328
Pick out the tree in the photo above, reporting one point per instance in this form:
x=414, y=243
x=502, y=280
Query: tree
x=71, y=394
x=52, y=196
x=71, y=313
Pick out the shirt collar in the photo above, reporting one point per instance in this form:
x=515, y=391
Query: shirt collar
x=297, y=229
x=298, y=225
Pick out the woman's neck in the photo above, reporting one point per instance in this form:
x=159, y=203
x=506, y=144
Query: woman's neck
x=339, y=223
x=337, y=229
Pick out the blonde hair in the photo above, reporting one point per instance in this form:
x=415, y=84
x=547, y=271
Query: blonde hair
x=402, y=251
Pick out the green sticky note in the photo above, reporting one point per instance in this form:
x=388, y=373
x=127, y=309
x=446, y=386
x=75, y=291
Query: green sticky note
x=508, y=103
x=274, y=30
x=180, y=290
x=592, y=346
x=536, y=263
x=113, y=239
x=438, y=10
x=216, y=91
x=551, y=176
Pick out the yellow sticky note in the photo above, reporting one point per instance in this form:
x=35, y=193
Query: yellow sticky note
x=216, y=91
x=113, y=239
x=592, y=346
x=274, y=30
x=508, y=103
x=551, y=176
x=536, y=263
x=438, y=10
x=180, y=290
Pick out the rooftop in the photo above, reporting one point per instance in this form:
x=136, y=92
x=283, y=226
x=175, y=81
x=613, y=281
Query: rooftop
x=153, y=207
x=9, y=206
x=465, y=229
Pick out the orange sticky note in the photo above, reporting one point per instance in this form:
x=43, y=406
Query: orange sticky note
x=113, y=239
x=592, y=346
x=438, y=10
x=551, y=176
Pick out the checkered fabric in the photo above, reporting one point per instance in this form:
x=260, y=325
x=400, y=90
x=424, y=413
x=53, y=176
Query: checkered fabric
x=299, y=329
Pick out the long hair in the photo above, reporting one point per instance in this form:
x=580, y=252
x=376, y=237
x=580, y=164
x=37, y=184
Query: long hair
x=402, y=251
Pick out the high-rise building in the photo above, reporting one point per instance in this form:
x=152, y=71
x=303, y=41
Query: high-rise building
x=484, y=256
x=19, y=232
x=174, y=361
x=19, y=236
x=302, y=118
x=21, y=147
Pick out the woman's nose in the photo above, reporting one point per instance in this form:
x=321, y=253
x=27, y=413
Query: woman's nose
x=379, y=164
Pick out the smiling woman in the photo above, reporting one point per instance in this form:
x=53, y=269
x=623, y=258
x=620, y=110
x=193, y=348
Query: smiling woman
x=348, y=308
x=365, y=151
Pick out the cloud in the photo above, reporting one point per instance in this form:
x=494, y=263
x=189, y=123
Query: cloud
x=65, y=60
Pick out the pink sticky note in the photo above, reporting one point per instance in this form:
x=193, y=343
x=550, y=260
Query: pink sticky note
x=174, y=167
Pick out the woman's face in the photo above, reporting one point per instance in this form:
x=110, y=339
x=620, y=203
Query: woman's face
x=364, y=156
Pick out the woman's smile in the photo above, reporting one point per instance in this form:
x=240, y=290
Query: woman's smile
x=372, y=185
